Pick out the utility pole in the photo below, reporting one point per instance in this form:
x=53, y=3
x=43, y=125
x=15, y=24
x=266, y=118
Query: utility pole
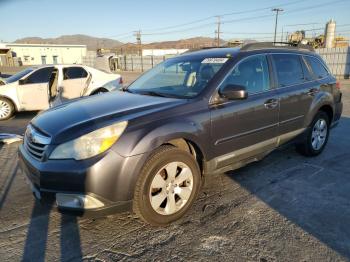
x=138, y=40
x=282, y=35
x=277, y=10
x=217, y=32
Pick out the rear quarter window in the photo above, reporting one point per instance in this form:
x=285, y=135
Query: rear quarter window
x=318, y=69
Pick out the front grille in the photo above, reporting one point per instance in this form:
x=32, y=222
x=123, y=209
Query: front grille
x=35, y=149
x=35, y=143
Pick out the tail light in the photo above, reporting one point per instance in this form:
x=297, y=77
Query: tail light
x=121, y=80
x=337, y=85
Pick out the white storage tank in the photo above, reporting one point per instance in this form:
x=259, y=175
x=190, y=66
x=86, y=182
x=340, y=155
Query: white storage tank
x=330, y=34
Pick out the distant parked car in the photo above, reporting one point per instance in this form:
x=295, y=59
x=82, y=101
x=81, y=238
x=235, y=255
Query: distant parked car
x=28, y=89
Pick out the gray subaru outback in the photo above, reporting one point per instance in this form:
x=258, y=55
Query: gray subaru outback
x=149, y=146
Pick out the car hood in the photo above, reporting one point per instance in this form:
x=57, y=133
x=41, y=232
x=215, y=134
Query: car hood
x=71, y=120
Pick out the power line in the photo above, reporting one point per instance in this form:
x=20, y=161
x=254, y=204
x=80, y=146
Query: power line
x=262, y=9
x=303, y=24
x=246, y=18
x=129, y=34
x=179, y=31
x=222, y=15
x=307, y=8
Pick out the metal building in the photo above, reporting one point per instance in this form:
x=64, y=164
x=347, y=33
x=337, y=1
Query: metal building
x=41, y=54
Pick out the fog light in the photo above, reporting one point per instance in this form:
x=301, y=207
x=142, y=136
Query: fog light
x=77, y=201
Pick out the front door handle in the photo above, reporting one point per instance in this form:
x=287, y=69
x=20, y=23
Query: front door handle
x=271, y=103
x=312, y=91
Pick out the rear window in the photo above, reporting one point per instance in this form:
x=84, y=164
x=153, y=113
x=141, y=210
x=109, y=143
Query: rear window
x=74, y=73
x=317, y=67
x=289, y=69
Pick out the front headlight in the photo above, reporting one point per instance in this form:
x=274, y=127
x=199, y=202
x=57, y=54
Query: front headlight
x=91, y=144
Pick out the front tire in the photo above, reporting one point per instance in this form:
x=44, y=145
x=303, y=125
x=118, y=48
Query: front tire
x=167, y=186
x=7, y=108
x=316, y=137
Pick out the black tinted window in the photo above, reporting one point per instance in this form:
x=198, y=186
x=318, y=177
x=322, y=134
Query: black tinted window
x=289, y=70
x=252, y=73
x=316, y=66
x=74, y=73
x=40, y=76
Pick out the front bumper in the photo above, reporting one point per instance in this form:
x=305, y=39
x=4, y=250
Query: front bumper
x=109, y=179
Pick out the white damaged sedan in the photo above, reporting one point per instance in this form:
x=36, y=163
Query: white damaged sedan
x=29, y=90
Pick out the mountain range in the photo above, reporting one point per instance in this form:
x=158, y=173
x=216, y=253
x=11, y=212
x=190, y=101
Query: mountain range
x=94, y=43
x=91, y=42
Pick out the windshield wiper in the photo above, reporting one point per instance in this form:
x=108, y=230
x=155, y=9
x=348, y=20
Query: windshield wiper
x=125, y=89
x=152, y=93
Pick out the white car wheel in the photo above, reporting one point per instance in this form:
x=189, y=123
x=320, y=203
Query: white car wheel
x=6, y=109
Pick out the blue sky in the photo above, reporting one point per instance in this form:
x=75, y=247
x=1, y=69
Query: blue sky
x=118, y=19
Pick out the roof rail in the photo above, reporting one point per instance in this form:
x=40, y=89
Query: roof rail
x=283, y=45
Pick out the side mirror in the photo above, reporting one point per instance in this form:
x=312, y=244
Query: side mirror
x=234, y=92
x=21, y=81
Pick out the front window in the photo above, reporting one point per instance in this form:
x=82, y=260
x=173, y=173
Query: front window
x=40, y=76
x=252, y=73
x=181, y=77
x=19, y=75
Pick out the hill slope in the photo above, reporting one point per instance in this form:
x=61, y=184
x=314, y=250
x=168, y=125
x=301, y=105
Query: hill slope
x=91, y=42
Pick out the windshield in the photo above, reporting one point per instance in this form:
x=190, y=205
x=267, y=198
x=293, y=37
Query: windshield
x=18, y=76
x=181, y=77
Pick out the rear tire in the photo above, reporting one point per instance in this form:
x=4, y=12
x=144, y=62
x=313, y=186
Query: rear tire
x=316, y=137
x=7, y=108
x=167, y=186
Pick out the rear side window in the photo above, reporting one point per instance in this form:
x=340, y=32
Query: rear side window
x=252, y=73
x=74, y=73
x=317, y=67
x=289, y=69
x=40, y=76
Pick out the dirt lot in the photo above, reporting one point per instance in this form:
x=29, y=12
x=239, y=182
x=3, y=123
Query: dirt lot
x=284, y=208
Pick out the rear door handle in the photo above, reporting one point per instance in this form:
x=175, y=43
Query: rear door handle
x=313, y=91
x=271, y=103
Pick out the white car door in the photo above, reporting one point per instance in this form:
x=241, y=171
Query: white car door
x=32, y=90
x=74, y=82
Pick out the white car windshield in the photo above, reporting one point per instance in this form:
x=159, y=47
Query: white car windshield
x=18, y=76
x=181, y=77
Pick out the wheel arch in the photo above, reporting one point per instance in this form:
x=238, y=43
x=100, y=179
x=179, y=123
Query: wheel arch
x=94, y=91
x=11, y=100
x=189, y=146
x=323, y=102
x=328, y=110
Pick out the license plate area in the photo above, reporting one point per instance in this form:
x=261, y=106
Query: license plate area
x=31, y=178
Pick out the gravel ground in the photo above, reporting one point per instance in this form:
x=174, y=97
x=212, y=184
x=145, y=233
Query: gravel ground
x=284, y=208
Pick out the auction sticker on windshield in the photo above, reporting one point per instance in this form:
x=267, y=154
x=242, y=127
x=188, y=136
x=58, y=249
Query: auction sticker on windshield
x=213, y=60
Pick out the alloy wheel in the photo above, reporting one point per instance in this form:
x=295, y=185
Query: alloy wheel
x=5, y=109
x=171, y=188
x=319, y=134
